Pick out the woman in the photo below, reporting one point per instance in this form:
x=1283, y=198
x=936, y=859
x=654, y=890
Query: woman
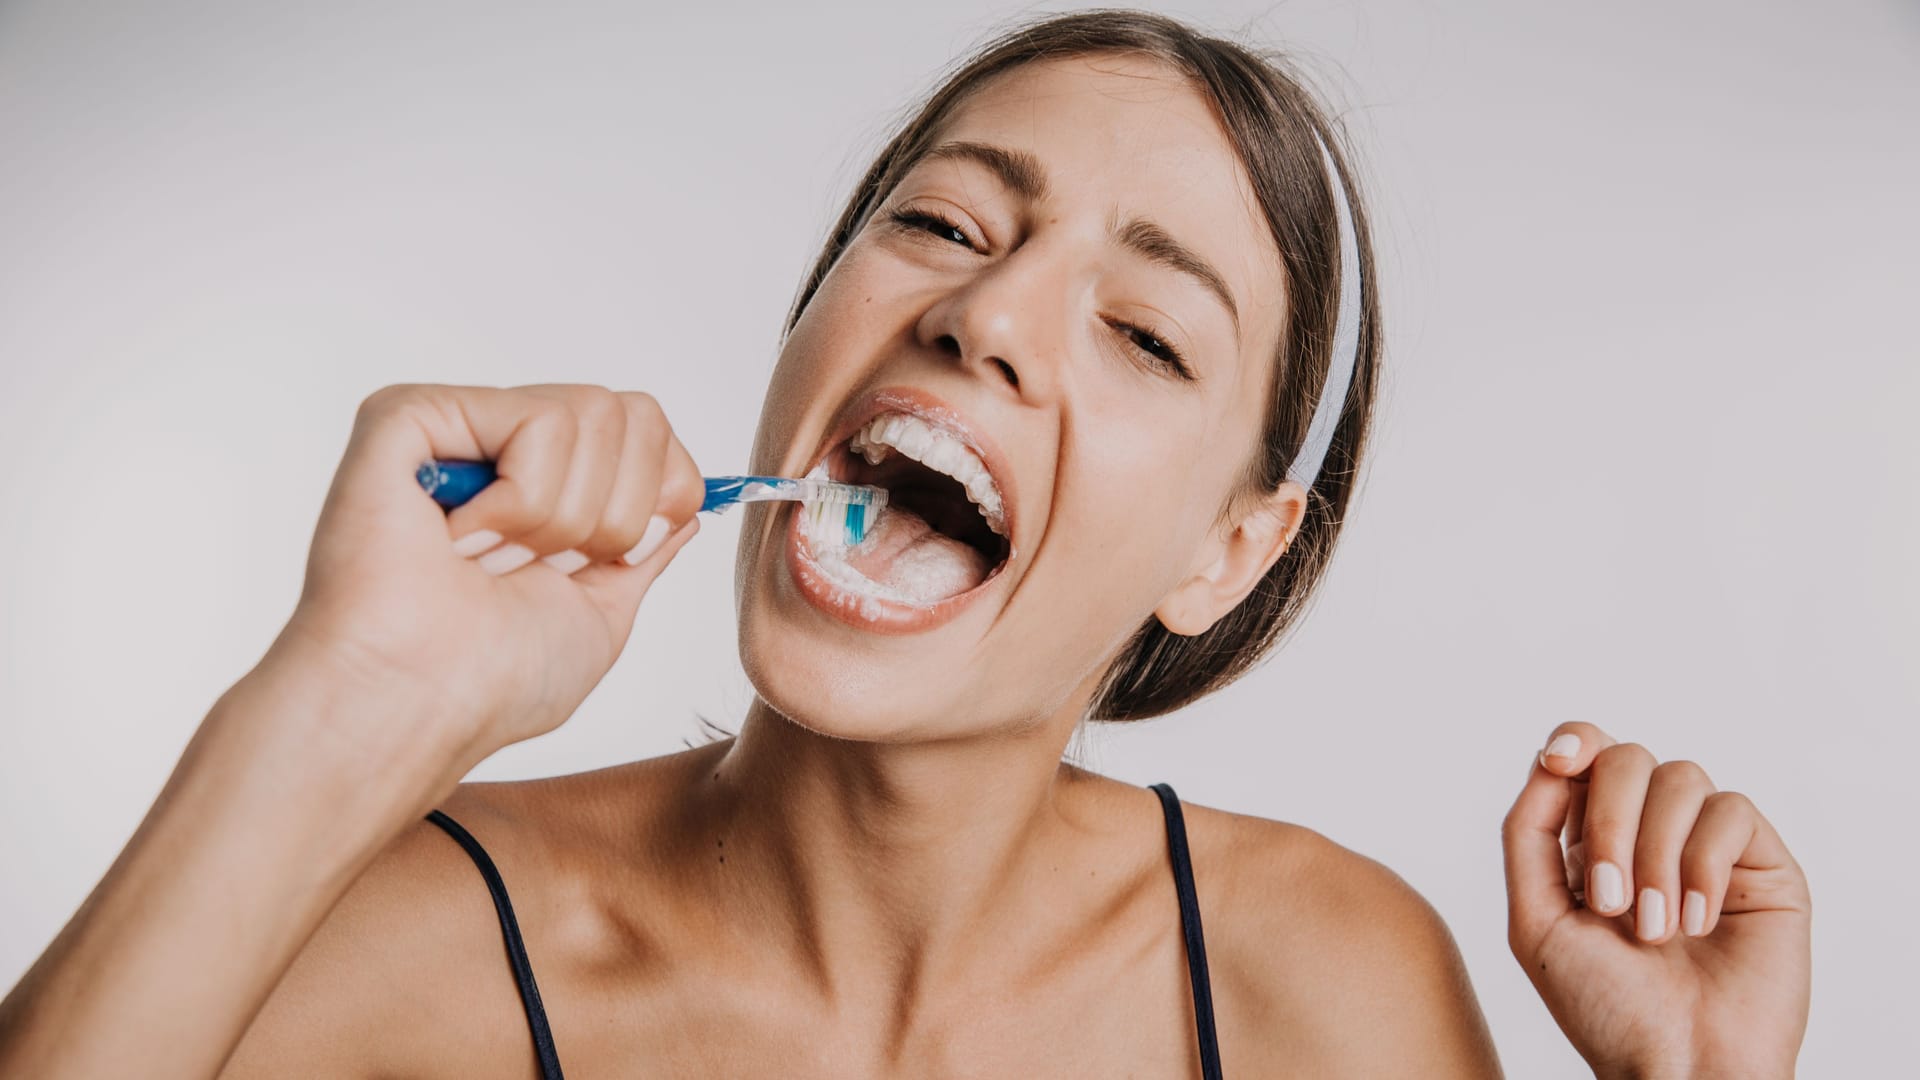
x=1112, y=266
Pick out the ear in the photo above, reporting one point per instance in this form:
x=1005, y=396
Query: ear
x=1232, y=562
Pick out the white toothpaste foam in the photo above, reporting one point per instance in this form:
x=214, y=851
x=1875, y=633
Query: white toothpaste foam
x=921, y=576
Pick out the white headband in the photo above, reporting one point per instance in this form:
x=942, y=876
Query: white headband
x=1346, y=340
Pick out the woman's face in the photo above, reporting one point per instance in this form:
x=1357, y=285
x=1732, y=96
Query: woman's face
x=1070, y=308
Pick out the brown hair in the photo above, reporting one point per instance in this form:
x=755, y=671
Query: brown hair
x=1271, y=119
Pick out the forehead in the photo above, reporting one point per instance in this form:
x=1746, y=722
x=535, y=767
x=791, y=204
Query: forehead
x=1128, y=133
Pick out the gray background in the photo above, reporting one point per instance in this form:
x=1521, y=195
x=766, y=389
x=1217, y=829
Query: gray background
x=1647, y=455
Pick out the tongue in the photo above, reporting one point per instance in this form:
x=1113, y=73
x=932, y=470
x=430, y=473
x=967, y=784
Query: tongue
x=908, y=556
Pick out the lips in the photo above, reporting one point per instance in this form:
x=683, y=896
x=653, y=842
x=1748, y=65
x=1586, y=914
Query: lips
x=876, y=614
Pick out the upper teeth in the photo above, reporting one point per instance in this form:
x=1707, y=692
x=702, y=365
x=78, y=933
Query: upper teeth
x=938, y=449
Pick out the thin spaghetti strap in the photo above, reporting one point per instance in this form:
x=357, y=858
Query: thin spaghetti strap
x=1190, y=926
x=516, y=949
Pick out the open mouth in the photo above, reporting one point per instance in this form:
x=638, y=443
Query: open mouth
x=943, y=534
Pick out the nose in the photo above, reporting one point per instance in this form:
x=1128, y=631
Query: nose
x=1007, y=320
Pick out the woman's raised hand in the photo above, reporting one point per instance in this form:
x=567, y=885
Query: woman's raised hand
x=1670, y=936
x=507, y=611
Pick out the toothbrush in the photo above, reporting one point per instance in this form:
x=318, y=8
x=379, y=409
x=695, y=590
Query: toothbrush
x=452, y=483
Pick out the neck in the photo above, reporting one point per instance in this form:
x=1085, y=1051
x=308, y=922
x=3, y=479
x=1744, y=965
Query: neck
x=886, y=866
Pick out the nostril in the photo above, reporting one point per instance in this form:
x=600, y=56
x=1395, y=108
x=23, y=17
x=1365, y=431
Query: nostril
x=950, y=345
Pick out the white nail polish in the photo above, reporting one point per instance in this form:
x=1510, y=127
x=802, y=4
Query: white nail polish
x=506, y=558
x=1564, y=745
x=1609, y=888
x=1653, y=914
x=650, y=541
x=475, y=542
x=1693, y=913
x=566, y=561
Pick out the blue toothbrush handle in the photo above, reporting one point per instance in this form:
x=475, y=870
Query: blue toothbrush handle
x=452, y=483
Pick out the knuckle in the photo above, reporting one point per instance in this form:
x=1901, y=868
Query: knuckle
x=1510, y=826
x=681, y=502
x=646, y=423
x=1654, y=858
x=1608, y=836
x=1682, y=773
x=551, y=413
x=642, y=406
x=386, y=399
x=519, y=511
x=1697, y=866
x=1729, y=800
x=568, y=528
x=601, y=406
x=1626, y=754
x=1604, y=832
x=655, y=435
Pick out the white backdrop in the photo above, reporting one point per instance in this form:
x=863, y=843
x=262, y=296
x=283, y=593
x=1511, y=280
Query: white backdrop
x=1647, y=456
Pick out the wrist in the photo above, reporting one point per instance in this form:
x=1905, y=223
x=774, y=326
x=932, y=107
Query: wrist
x=299, y=733
x=363, y=717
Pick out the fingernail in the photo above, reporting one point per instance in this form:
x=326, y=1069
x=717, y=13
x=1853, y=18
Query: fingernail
x=650, y=541
x=1564, y=745
x=1693, y=913
x=506, y=558
x=1653, y=914
x=1609, y=888
x=475, y=542
x=565, y=561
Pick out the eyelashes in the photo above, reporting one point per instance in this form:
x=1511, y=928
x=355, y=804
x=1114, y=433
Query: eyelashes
x=1153, y=345
x=1145, y=338
x=934, y=224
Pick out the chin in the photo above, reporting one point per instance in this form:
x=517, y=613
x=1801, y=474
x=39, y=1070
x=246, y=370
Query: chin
x=856, y=675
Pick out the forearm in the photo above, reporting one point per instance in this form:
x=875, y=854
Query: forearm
x=267, y=819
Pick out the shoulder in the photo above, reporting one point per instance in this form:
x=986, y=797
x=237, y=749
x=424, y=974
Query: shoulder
x=407, y=973
x=1320, y=954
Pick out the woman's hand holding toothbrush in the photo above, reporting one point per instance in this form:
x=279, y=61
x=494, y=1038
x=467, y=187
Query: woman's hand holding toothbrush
x=505, y=612
x=404, y=664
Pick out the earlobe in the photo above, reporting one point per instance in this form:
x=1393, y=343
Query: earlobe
x=1235, y=562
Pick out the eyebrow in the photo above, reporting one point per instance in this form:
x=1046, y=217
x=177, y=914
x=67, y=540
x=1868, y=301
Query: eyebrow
x=1155, y=244
x=1017, y=169
x=1022, y=174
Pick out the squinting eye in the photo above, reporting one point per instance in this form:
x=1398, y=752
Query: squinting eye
x=931, y=223
x=1144, y=339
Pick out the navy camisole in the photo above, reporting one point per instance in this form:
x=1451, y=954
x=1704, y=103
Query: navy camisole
x=1182, y=885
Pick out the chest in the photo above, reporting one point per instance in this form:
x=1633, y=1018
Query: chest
x=1125, y=1011
x=1141, y=1028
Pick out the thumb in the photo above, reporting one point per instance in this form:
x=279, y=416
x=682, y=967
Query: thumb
x=617, y=588
x=1537, y=893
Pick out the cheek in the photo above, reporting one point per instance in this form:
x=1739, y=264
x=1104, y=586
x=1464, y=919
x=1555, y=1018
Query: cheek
x=820, y=364
x=1128, y=517
x=845, y=327
x=1157, y=479
x=857, y=296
